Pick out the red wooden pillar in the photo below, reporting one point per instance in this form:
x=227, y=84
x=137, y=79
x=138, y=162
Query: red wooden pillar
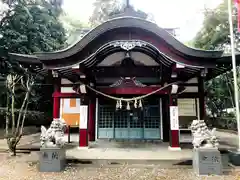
x=83, y=125
x=91, y=122
x=174, y=123
x=201, y=92
x=56, y=100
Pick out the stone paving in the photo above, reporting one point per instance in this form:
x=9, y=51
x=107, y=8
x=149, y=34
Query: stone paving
x=225, y=137
x=24, y=167
x=113, y=150
x=228, y=138
x=29, y=139
x=158, y=153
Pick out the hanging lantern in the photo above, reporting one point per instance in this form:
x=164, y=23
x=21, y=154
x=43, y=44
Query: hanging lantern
x=135, y=103
x=140, y=104
x=128, y=106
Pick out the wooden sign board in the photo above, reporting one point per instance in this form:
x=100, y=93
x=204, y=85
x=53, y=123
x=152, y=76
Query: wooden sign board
x=187, y=107
x=174, y=119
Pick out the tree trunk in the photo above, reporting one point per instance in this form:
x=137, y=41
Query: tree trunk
x=22, y=112
x=13, y=109
x=12, y=144
x=11, y=141
x=7, y=117
x=23, y=119
x=17, y=126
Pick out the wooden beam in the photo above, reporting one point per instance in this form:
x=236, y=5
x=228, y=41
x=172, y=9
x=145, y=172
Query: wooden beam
x=68, y=74
x=138, y=71
x=65, y=95
x=166, y=74
x=88, y=73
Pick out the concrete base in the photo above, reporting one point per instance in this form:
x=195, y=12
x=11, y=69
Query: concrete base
x=174, y=148
x=234, y=158
x=207, y=161
x=52, y=159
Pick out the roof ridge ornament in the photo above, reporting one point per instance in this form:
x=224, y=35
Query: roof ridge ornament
x=128, y=45
x=127, y=82
x=127, y=3
x=130, y=11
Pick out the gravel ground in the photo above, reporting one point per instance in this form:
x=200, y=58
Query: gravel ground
x=21, y=168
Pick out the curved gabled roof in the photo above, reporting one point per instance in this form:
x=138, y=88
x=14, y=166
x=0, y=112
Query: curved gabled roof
x=128, y=22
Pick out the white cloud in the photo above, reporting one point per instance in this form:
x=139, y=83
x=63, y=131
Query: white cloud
x=79, y=9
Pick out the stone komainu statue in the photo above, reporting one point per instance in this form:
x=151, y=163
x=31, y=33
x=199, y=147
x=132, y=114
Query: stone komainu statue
x=54, y=135
x=202, y=136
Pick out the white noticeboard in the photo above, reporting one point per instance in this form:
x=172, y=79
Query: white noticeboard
x=83, y=117
x=174, y=120
x=187, y=107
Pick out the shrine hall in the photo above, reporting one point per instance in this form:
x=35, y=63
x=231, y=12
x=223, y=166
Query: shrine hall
x=128, y=79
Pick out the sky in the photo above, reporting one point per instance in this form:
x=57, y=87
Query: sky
x=186, y=15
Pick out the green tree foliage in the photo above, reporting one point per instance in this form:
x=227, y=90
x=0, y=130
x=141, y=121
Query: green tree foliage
x=214, y=35
x=220, y=95
x=104, y=9
x=31, y=26
x=26, y=27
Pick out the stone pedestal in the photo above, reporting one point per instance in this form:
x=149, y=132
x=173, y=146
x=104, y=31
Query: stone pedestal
x=52, y=159
x=207, y=161
x=234, y=158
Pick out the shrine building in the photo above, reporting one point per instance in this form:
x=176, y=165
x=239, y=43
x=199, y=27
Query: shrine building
x=128, y=79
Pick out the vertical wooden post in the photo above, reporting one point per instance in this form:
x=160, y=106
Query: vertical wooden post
x=69, y=135
x=83, y=125
x=201, y=93
x=166, y=119
x=96, y=118
x=56, y=100
x=174, y=123
x=91, y=125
